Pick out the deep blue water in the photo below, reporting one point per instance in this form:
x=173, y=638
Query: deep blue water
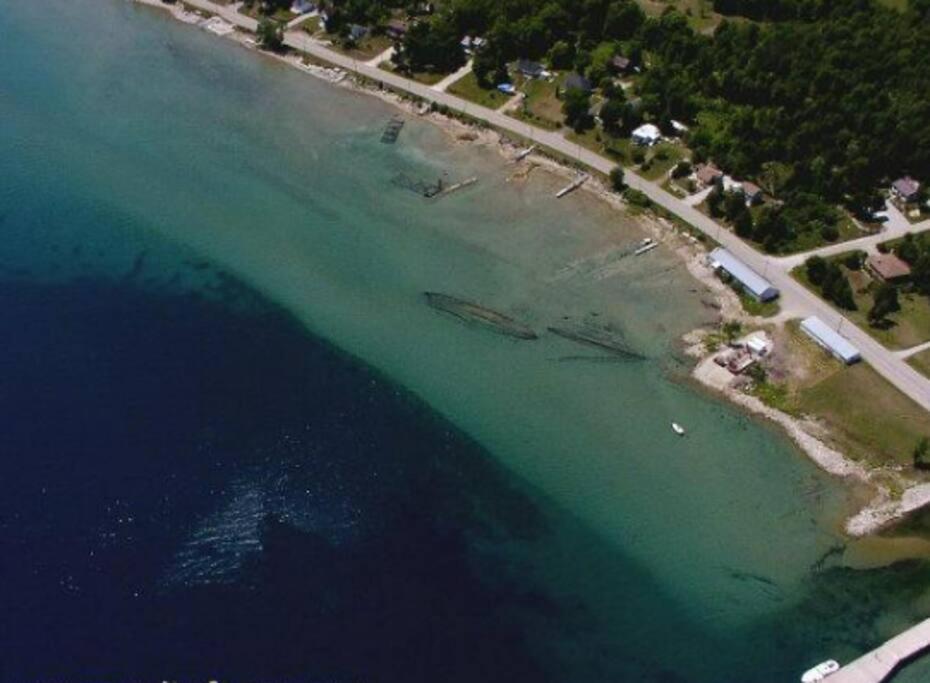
x=198, y=490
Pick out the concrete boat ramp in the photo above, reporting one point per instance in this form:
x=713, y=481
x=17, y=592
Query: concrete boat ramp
x=879, y=664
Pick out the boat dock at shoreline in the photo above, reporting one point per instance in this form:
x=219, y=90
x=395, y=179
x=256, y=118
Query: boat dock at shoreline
x=524, y=153
x=452, y=188
x=576, y=183
x=879, y=664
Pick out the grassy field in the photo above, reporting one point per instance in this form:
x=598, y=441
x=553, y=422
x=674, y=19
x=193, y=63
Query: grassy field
x=880, y=426
x=658, y=160
x=908, y=327
x=280, y=15
x=921, y=362
x=367, y=48
x=540, y=107
x=467, y=87
x=313, y=25
x=700, y=13
x=661, y=158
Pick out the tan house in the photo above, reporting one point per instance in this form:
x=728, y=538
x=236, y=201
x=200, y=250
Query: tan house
x=888, y=267
x=752, y=192
x=708, y=174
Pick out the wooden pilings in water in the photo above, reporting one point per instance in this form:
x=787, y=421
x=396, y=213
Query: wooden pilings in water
x=392, y=130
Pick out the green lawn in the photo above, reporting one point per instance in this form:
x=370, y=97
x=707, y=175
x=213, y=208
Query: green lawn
x=425, y=77
x=467, y=87
x=540, y=107
x=908, y=327
x=661, y=158
x=762, y=309
x=921, y=362
x=281, y=15
x=367, y=48
x=900, y=5
x=881, y=425
x=700, y=13
x=313, y=25
x=804, y=241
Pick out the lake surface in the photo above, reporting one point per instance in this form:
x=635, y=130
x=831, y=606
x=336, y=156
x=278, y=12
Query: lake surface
x=237, y=443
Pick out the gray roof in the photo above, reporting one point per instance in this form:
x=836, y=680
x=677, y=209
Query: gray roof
x=576, y=81
x=529, y=68
x=754, y=283
x=831, y=340
x=906, y=186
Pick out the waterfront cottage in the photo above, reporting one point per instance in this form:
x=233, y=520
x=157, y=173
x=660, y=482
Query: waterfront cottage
x=708, y=174
x=647, y=135
x=396, y=28
x=530, y=69
x=752, y=192
x=888, y=267
x=302, y=7
x=357, y=32
x=620, y=64
x=470, y=45
x=575, y=81
x=905, y=190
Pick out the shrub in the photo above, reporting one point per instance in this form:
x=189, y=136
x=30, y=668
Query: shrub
x=816, y=268
x=637, y=198
x=617, y=179
x=854, y=260
x=682, y=169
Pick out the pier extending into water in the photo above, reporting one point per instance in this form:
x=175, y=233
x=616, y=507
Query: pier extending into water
x=879, y=664
x=578, y=182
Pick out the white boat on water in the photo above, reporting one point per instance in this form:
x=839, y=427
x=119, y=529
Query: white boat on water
x=821, y=671
x=647, y=244
x=678, y=429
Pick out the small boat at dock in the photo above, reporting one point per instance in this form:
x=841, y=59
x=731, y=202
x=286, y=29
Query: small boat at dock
x=647, y=244
x=821, y=671
x=678, y=429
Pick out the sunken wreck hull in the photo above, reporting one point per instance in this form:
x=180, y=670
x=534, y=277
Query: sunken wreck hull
x=479, y=315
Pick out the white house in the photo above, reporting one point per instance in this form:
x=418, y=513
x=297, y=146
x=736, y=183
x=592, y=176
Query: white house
x=647, y=135
x=302, y=7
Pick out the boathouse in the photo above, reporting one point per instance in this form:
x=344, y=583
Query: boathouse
x=752, y=283
x=829, y=339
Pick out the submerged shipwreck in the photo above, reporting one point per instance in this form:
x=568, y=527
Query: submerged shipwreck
x=602, y=337
x=474, y=313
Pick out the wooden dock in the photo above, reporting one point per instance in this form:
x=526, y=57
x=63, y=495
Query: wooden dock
x=879, y=664
x=524, y=153
x=457, y=186
x=576, y=183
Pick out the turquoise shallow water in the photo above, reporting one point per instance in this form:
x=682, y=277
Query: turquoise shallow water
x=680, y=559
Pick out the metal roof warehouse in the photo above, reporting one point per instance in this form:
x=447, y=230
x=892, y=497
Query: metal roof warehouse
x=832, y=341
x=752, y=282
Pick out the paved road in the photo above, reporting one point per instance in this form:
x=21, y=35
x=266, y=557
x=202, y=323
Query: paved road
x=795, y=296
x=444, y=84
x=896, y=226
